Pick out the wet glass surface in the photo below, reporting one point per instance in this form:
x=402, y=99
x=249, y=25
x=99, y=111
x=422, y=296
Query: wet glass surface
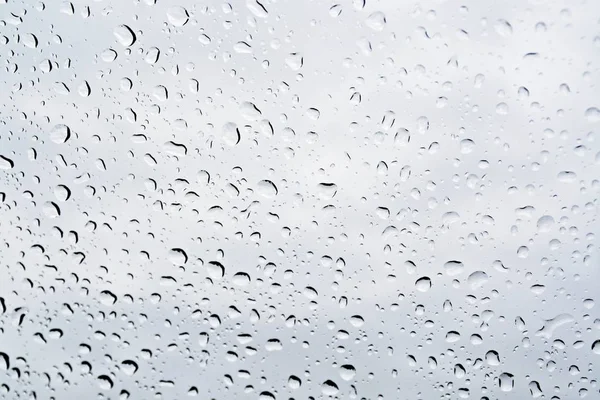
x=299, y=199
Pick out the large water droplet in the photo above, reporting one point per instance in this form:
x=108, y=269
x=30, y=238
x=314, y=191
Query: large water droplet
x=178, y=16
x=124, y=35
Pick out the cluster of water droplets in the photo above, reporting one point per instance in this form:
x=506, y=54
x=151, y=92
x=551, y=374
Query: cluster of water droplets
x=299, y=200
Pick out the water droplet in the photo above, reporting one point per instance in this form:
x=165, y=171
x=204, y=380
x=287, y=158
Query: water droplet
x=295, y=61
x=105, y=382
x=329, y=388
x=249, y=111
x=6, y=163
x=545, y=224
x=257, y=8
x=60, y=133
x=267, y=189
x=423, y=284
x=178, y=256
x=592, y=114
x=453, y=267
x=376, y=21
x=347, y=372
x=506, y=382
x=178, y=16
x=124, y=35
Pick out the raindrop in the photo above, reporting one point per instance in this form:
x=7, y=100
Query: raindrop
x=423, y=284
x=177, y=16
x=376, y=21
x=329, y=388
x=124, y=35
x=506, y=382
x=178, y=256
x=6, y=163
x=267, y=189
x=61, y=133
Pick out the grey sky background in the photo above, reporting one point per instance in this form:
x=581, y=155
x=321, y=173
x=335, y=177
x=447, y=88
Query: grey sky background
x=494, y=109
